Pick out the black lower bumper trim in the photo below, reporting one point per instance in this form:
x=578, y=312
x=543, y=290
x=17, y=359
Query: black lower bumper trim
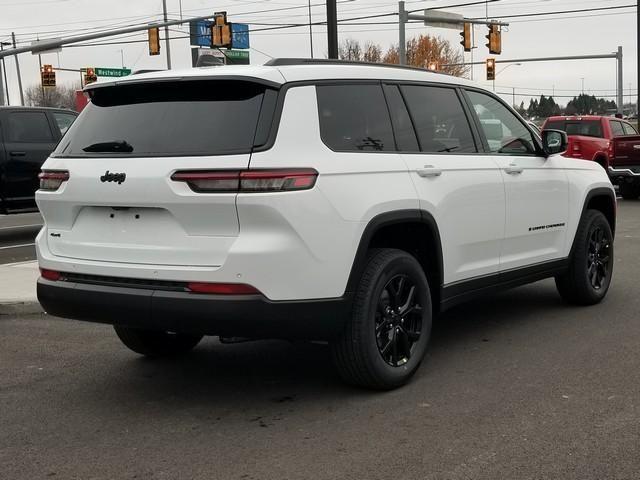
x=252, y=316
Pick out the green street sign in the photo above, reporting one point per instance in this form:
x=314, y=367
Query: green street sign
x=112, y=72
x=237, y=57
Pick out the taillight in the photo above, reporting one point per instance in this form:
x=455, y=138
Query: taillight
x=222, y=288
x=50, y=274
x=243, y=181
x=50, y=180
x=612, y=150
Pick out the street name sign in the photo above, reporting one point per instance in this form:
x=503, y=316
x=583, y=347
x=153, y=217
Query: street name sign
x=112, y=72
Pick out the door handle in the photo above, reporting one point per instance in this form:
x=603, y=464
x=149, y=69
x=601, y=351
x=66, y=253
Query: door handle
x=513, y=169
x=429, y=171
x=18, y=154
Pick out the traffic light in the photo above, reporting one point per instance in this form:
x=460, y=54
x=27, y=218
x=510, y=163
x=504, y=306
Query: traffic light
x=90, y=76
x=495, y=39
x=491, y=68
x=466, y=37
x=221, y=31
x=48, y=76
x=154, y=41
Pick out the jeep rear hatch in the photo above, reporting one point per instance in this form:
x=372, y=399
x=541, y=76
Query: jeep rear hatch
x=120, y=203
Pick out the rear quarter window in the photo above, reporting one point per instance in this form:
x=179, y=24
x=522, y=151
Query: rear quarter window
x=183, y=118
x=354, y=118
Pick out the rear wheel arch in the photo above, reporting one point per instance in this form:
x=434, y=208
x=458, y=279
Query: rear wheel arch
x=413, y=231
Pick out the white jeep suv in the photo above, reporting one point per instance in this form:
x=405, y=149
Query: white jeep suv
x=310, y=199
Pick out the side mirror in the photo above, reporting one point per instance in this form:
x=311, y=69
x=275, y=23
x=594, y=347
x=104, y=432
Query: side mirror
x=554, y=141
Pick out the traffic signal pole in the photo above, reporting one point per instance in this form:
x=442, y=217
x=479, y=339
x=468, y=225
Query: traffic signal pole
x=617, y=55
x=620, y=99
x=404, y=16
x=402, y=41
x=60, y=42
x=166, y=34
x=13, y=40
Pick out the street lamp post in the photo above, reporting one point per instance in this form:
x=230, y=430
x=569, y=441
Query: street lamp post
x=498, y=73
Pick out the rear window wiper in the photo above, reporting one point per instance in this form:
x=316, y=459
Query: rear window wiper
x=116, y=147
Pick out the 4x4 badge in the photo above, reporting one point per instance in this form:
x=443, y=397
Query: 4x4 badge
x=113, y=177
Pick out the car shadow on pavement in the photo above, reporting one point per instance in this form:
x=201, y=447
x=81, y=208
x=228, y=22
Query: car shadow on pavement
x=281, y=372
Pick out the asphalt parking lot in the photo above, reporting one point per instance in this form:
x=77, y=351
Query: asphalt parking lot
x=515, y=386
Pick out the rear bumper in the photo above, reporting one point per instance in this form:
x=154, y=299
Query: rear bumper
x=630, y=172
x=252, y=316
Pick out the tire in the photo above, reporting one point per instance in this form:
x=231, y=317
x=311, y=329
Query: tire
x=629, y=191
x=155, y=343
x=588, y=278
x=364, y=353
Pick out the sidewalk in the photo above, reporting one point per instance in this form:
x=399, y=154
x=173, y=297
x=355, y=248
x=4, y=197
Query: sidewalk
x=18, y=288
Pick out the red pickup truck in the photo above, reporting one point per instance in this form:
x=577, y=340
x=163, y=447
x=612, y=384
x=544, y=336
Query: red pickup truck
x=612, y=142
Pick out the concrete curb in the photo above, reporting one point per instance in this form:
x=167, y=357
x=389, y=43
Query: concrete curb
x=20, y=308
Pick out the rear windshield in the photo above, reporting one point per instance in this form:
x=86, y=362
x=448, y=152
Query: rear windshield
x=179, y=118
x=587, y=128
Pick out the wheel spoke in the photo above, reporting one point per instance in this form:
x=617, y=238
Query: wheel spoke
x=381, y=325
x=405, y=349
x=394, y=355
x=391, y=343
x=404, y=308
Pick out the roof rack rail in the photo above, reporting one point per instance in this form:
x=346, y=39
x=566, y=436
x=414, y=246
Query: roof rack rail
x=279, y=62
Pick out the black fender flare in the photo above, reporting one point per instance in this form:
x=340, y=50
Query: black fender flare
x=596, y=192
x=384, y=220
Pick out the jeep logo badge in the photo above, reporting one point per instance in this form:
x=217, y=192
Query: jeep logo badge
x=113, y=177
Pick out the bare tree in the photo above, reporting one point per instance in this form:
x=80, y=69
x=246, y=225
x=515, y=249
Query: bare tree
x=350, y=49
x=61, y=96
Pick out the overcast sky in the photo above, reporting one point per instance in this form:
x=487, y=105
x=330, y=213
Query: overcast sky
x=560, y=35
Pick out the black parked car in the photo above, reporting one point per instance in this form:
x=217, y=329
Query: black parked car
x=27, y=136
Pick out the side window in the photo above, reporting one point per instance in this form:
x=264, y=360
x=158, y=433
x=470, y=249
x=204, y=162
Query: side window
x=402, y=127
x=439, y=119
x=29, y=127
x=629, y=129
x=354, y=118
x=505, y=133
x=63, y=120
x=616, y=128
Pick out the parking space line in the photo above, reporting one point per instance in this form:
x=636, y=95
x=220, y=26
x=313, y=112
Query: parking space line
x=18, y=246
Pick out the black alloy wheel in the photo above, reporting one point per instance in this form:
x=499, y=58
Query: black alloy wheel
x=398, y=320
x=598, y=258
x=591, y=263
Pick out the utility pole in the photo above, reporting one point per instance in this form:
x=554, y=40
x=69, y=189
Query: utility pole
x=13, y=39
x=332, y=28
x=638, y=52
x=166, y=34
x=582, y=78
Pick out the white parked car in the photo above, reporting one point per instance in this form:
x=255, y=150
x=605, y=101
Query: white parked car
x=310, y=199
